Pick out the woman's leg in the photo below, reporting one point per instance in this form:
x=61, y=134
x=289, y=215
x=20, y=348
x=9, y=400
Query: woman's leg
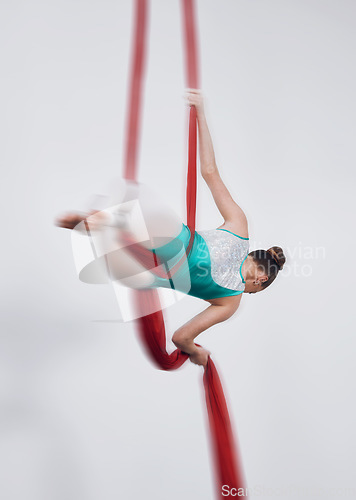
x=149, y=219
x=140, y=211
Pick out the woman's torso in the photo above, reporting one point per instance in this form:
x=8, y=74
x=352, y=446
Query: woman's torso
x=213, y=268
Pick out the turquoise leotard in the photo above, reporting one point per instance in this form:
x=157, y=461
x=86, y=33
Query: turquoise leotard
x=213, y=267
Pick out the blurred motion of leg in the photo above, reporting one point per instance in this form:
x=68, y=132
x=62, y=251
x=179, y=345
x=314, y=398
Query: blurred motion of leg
x=101, y=255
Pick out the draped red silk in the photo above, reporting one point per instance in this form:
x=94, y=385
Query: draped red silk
x=151, y=328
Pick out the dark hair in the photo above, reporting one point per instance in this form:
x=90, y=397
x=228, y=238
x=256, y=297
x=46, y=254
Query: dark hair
x=270, y=262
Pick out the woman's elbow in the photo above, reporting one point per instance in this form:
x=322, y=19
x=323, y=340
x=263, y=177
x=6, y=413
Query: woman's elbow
x=179, y=339
x=208, y=171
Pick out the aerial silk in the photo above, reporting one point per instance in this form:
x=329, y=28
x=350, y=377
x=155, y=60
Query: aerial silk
x=151, y=328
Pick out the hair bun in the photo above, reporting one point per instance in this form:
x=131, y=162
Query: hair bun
x=278, y=255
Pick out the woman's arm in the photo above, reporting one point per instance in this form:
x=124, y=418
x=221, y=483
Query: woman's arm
x=184, y=337
x=234, y=217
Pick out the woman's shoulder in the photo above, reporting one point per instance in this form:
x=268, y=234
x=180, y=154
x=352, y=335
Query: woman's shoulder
x=236, y=230
x=232, y=301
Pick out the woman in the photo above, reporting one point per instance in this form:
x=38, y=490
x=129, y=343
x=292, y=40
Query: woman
x=219, y=267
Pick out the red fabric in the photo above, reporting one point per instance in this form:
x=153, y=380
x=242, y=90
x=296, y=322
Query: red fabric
x=151, y=328
x=134, y=109
x=192, y=175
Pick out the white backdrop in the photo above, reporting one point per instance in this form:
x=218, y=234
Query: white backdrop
x=84, y=414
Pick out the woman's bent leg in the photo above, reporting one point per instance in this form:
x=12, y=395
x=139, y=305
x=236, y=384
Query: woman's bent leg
x=141, y=212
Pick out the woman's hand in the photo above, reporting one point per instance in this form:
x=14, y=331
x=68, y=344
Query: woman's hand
x=200, y=356
x=195, y=98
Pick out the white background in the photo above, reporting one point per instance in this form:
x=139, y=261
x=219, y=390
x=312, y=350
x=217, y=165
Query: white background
x=84, y=414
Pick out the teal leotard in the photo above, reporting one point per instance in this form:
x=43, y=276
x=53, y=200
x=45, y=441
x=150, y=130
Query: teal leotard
x=213, y=267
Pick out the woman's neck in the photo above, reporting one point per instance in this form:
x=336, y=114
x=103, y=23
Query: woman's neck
x=247, y=269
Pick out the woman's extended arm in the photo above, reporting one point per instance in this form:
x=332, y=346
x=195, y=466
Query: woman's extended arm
x=233, y=215
x=184, y=337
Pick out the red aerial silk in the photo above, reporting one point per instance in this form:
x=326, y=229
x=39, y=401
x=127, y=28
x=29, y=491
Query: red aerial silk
x=151, y=328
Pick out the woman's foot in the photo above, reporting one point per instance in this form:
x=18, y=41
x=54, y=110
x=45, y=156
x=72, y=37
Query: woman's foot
x=95, y=220
x=69, y=221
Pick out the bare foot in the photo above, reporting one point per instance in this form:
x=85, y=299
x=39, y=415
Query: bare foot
x=95, y=219
x=70, y=220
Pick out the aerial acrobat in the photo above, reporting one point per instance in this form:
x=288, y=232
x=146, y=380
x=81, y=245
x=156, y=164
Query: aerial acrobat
x=221, y=268
x=217, y=266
